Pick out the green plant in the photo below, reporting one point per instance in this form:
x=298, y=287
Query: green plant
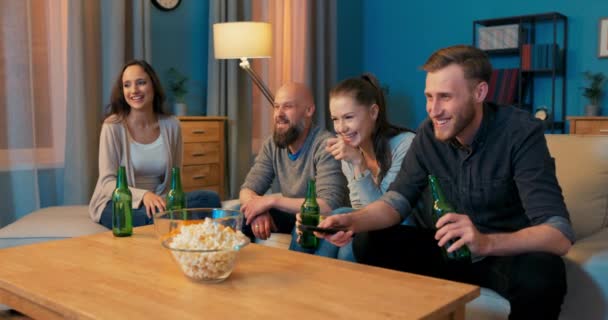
x=593, y=92
x=177, y=84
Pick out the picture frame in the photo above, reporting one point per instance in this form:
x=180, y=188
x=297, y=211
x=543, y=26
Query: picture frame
x=603, y=38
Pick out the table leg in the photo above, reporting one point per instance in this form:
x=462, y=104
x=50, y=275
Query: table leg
x=457, y=314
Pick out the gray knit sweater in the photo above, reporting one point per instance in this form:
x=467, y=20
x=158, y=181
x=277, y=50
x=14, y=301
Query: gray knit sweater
x=293, y=175
x=114, y=152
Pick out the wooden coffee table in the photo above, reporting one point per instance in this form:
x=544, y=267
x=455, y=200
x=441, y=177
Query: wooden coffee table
x=102, y=277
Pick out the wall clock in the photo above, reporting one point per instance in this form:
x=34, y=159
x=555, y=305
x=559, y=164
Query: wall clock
x=166, y=5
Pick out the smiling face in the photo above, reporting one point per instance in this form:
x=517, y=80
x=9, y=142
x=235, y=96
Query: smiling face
x=454, y=104
x=354, y=122
x=137, y=88
x=292, y=111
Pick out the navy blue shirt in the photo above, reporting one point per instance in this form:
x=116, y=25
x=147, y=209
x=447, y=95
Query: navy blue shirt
x=504, y=181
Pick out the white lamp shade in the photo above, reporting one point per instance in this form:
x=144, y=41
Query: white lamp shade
x=235, y=40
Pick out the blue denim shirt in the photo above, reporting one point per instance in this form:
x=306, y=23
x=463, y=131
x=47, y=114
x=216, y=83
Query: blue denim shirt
x=363, y=190
x=504, y=181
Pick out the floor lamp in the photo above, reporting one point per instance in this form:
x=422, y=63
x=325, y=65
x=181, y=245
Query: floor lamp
x=243, y=40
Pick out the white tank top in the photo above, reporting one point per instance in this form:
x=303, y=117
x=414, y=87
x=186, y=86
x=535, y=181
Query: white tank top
x=149, y=163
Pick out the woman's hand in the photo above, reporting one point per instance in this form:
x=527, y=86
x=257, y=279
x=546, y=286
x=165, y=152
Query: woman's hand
x=340, y=150
x=153, y=203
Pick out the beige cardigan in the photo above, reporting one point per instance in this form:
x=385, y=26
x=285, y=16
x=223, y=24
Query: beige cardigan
x=114, y=152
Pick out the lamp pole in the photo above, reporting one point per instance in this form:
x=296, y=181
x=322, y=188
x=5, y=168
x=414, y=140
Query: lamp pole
x=256, y=79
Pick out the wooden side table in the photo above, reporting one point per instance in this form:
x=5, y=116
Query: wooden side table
x=589, y=125
x=204, y=155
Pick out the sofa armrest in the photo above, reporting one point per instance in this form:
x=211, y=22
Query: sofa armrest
x=235, y=204
x=590, y=250
x=586, y=268
x=232, y=204
x=49, y=223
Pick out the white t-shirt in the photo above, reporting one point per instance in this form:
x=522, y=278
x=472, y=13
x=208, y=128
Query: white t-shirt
x=149, y=163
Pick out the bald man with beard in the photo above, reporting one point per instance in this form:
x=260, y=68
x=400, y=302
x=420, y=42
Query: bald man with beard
x=293, y=155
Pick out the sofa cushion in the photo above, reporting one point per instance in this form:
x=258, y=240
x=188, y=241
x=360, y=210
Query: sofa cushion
x=50, y=223
x=586, y=269
x=54, y=223
x=583, y=176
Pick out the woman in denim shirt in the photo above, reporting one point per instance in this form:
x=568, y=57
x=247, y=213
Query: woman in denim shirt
x=370, y=148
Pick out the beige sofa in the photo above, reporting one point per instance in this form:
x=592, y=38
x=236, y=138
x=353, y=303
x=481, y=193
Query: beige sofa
x=582, y=170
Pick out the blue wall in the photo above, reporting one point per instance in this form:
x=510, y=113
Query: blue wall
x=398, y=36
x=179, y=40
x=390, y=38
x=350, y=44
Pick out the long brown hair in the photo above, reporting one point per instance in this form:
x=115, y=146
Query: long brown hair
x=118, y=105
x=366, y=91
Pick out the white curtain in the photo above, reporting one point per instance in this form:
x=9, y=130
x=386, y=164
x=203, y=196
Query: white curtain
x=229, y=94
x=32, y=104
x=304, y=50
x=57, y=61
x=103, y=35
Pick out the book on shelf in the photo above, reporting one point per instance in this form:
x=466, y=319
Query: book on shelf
x=544, y=57
x=503, y=86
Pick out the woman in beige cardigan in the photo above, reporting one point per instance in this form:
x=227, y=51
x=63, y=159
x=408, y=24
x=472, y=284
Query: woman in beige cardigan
x=139, y=135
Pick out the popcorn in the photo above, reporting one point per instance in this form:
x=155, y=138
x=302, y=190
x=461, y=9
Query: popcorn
x=222, y=243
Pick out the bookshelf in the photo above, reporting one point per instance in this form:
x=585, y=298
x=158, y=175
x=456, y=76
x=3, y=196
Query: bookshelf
x=539, y=44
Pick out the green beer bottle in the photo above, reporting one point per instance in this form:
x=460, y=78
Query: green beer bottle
x=441, y=206
x=176, y=198
x=122, y=217
x=310, y=216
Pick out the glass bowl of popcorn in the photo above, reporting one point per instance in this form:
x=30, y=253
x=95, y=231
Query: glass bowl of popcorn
x=203, y=241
